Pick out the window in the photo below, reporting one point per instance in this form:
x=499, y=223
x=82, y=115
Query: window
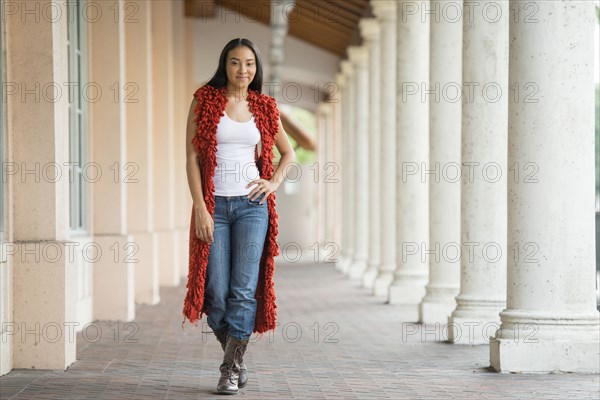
x=78, y=118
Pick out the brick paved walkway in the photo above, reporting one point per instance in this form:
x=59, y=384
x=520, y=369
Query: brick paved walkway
x=334, y=341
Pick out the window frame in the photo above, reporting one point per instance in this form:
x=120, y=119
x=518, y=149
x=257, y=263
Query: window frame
x=79, y=189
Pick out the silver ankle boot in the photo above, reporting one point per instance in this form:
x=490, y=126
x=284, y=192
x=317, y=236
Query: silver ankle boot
x=239, y=365
x=243, y=373
x=230, y=368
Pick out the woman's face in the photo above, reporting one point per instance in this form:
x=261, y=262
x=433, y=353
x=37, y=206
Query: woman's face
x=241, y=67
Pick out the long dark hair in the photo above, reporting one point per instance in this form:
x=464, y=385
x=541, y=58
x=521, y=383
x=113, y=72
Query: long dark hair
x=219, y=79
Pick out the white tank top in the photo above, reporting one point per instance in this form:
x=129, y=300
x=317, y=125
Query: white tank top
x=235, y=156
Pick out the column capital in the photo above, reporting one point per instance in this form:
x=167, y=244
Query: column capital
x=358, y=54
x=340, y=79
x=324, y=109
x=369, y=28
x=347, y=68
x=385, y=9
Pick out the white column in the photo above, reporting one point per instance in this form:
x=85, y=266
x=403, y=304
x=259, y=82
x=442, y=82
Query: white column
x=551, y=322
x=321, y=225
x=359, y=56
x=344, y=144
x=386, y=12
x=326, y=110
x=335, y=252
x=412, y=132
x=42, y=287
x=326, y=182
x=370, y=30
x=138, y=69
x=444, y=145
x=483, y=181
x=114, y=277
x=338, y=150
x=348, y=166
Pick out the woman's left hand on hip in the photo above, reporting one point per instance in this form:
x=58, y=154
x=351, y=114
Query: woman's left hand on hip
x=262, y=186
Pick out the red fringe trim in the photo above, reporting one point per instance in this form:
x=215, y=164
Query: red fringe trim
x=210, y=109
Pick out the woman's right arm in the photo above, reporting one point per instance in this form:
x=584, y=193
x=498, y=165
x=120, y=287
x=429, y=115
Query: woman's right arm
x=204, y=222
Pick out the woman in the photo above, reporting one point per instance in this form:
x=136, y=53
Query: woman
x=234, y=223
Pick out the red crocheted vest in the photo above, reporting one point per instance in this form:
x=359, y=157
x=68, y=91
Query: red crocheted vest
x=209, y=110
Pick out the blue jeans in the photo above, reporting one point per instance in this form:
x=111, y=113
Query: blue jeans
x=240, y=228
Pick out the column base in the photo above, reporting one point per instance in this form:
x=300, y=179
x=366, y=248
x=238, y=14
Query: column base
x=407, y=291
x=381, y=286
x=475, y=320
x=438, y=304
x=545, y=357
x=357, y=269
x=546, y=342
x=337, y=265
x=368, y=278
x=345, y=264
x=340, y=263
x=435, y=312
x=471, y=330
